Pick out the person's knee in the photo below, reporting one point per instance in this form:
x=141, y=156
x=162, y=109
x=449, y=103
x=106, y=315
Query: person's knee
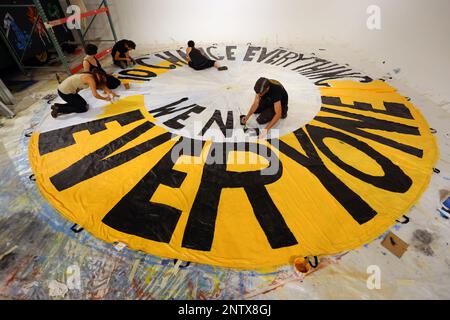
x=263, y=119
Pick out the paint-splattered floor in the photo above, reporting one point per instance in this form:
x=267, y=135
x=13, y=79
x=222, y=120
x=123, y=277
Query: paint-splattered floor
x=40, y=256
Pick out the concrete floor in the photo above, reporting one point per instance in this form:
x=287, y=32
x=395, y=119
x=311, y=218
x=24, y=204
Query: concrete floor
x=40, y=257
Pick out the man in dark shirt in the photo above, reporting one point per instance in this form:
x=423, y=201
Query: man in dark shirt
x=121, y=53
x=271, y=103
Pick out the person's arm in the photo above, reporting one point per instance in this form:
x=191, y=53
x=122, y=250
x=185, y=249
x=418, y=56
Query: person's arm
x=127, y=56
x=275, y=119
x=108, y=91
x=90, y=81
x=86, y=66
x=188, y=50
x=252, y=109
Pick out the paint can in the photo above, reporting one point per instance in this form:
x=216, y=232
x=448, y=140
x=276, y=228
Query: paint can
x=301, y=264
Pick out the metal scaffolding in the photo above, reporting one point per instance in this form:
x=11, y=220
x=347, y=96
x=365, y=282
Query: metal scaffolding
x=18, y=58
x=6, y=99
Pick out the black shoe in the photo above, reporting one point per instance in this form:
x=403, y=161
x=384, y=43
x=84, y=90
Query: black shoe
x=223, y=68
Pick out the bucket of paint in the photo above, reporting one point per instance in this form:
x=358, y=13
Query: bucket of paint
x=301, y=264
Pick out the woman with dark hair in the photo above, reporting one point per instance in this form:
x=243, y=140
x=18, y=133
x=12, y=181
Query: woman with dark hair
x=90, y=62
x=121, y=53
x=198, y=61
x=69, y=88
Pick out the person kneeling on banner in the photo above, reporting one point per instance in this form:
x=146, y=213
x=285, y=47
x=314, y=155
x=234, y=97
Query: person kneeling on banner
x=121, y=53
x=271, y=103
x=69, y=88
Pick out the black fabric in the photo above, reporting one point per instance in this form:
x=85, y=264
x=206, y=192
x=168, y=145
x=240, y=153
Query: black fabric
x=75, y=103
x=277, y=93
x=199, y=61
x=112, y=82
x=98, y=66
x=48, y=144
x=266, y=109
x=200, y=227
x=360, y=210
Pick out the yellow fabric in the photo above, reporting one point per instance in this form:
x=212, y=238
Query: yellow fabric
x=318, y=222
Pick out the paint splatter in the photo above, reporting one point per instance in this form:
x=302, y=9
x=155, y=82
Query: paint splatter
x=422, y=240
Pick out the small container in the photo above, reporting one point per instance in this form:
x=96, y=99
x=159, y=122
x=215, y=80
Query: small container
x=302, y=265
x=446, y=203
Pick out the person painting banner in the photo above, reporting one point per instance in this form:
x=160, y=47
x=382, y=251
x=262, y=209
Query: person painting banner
x=69, y=88
x=271, y=103
x=120, y=53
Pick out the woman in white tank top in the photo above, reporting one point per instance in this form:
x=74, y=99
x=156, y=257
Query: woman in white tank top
x=69, y=88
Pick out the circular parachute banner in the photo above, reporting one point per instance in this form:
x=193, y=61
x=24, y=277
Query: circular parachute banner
x=169, y=170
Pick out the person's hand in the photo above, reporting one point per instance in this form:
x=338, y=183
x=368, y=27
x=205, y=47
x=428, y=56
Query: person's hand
x=115, y=95
x=244, y=120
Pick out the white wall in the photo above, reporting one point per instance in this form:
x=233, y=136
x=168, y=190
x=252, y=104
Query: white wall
x=415, y=34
